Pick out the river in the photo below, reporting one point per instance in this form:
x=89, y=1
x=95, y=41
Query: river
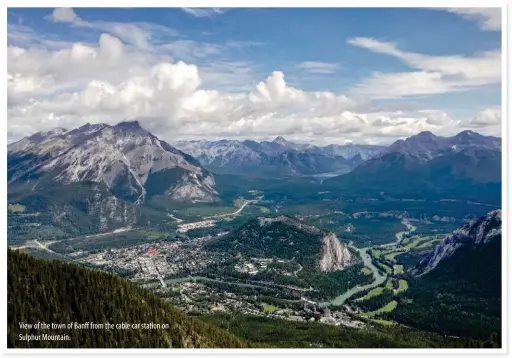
x=378, y=278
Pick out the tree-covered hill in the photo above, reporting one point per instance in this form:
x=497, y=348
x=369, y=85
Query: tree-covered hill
x=59, y=292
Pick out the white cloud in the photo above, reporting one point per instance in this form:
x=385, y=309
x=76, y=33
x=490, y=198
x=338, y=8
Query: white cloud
x=487, y=117
x=138, y=34
x=318, y=67
x=435, y=74
x=204, y=12
x=64, y=14
x=111, y=81
x=489, y=19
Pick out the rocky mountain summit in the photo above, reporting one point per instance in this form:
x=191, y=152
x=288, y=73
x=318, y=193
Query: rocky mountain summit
x=126, y=158
x=428, y=145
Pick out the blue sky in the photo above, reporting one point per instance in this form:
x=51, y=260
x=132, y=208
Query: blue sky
x=417, y=59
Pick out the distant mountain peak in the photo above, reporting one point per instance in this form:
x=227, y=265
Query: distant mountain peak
x=467, y=134
x=426, y=134
x=88, y=128
x=129, y=126
x=428, y=145
x=56, y=131
x=280, y=140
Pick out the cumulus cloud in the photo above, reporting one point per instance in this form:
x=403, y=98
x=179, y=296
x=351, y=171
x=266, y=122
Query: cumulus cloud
x=138, y=34
x=487, y=117
x=434, y=74
x=64, y=14
x=489, y=19
x=111, y=81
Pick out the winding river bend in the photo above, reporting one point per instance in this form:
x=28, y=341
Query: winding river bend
x=378, y=279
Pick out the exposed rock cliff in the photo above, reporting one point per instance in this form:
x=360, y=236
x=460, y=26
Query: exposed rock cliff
x=478, y=232
x=335, y=256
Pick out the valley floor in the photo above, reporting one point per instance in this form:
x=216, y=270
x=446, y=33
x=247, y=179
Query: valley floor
x=178, y=269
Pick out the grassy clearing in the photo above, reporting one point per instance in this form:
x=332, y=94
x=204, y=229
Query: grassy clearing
x=386, y=268
x=366, y=271
x=398, y=269
x=391, y=256
x=149, y=234
x=375, y=292
x=16, y=208
x=414, y=241
x=389, y=284
x=429, y=243
x=238, y=202
x=269, y=308
x=383, y=322
x=263, y=209
x=376, y=253
x=402, y=286
x=387, y=308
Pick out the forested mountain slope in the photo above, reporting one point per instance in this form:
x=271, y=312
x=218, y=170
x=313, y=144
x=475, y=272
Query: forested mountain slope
x=58, y=292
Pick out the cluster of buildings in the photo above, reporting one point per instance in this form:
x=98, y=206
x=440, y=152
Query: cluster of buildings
x=254, y=266
x=199, y=298
x=157, y=260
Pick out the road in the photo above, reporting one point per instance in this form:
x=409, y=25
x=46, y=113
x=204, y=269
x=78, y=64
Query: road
x=34, y=244
x=45, y=247
x=246, y=202
x=116, y=231
x=298, y=270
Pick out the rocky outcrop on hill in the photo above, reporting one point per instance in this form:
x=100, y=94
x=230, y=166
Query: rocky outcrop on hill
x=477, y=233
x=335, y=255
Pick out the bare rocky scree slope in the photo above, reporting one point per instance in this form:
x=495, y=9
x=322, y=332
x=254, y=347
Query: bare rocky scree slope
x=124, y=157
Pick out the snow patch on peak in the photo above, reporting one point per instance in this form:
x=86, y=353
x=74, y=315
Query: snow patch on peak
x=280, y=140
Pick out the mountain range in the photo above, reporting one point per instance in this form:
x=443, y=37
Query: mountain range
x=427, y=145
x=278, y=157
x=284, y=158
x=99, y=177
x=467, y=165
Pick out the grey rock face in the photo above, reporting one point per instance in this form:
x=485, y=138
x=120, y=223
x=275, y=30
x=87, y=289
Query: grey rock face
x=478, y=232
x=124, y=155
